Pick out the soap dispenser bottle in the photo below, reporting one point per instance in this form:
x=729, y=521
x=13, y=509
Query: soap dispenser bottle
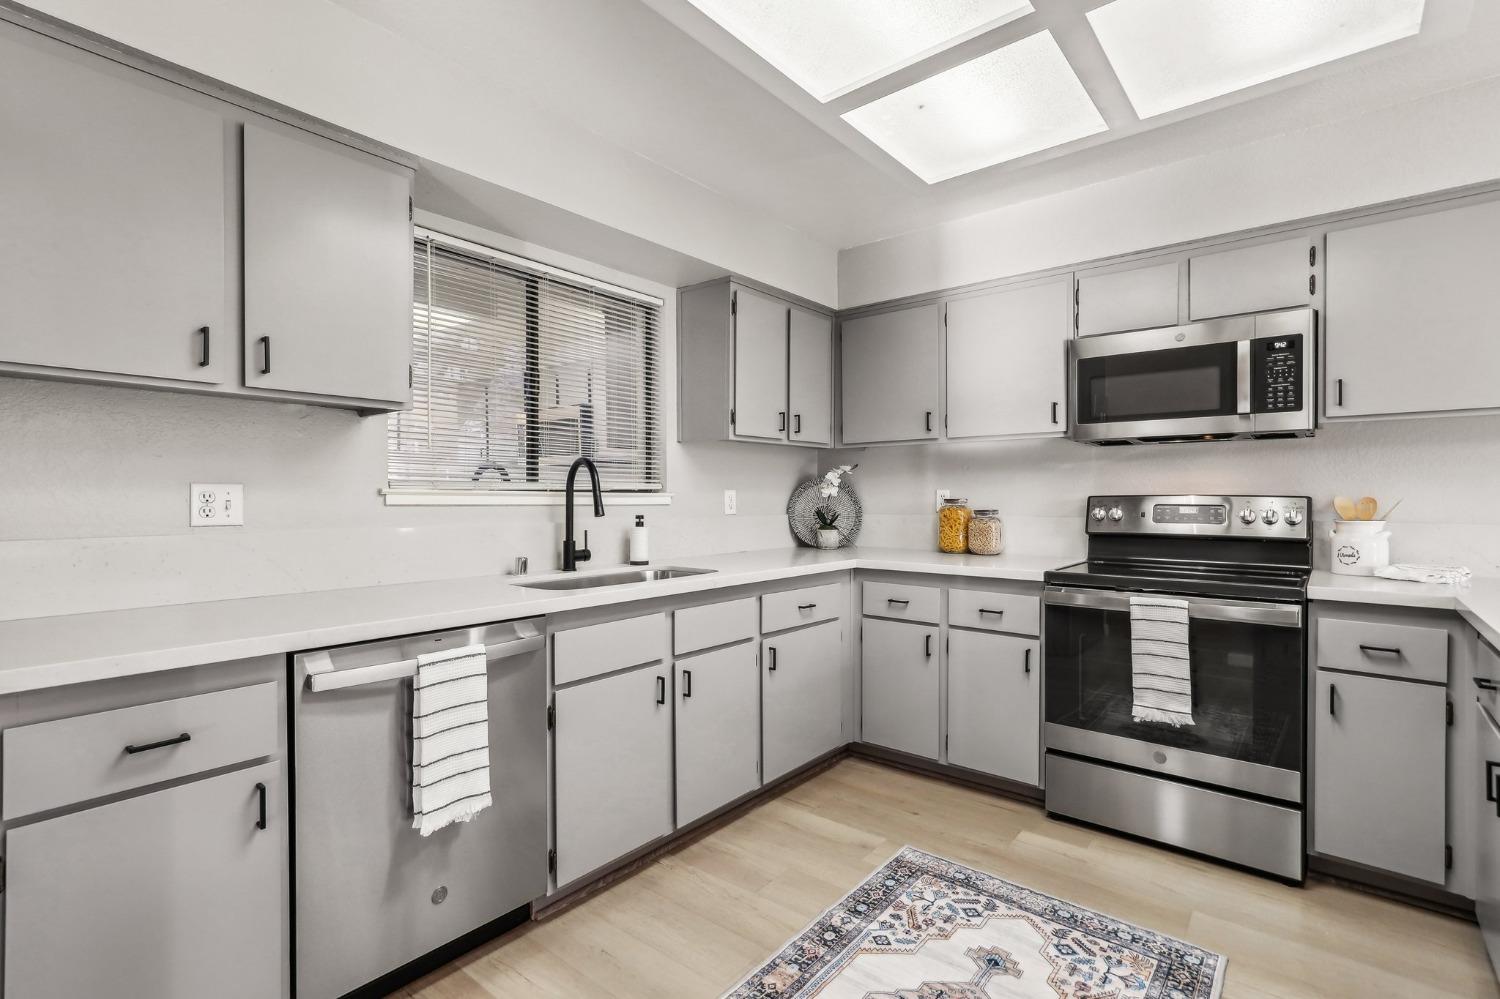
x=638, y=545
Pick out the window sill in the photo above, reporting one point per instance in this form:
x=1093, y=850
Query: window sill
x=418, y=497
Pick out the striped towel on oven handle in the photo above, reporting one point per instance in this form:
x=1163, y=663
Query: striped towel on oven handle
x=1161, y=668
x=450, y=752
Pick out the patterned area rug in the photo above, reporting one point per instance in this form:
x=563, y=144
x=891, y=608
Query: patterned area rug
x=923, y=927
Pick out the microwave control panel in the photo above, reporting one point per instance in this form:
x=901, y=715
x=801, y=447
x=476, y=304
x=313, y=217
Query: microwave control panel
x=1276, y=380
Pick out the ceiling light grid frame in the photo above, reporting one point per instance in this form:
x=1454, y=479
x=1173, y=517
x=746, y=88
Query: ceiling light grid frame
x=1068, y=24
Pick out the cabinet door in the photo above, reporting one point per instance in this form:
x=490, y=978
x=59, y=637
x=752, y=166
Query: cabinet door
x=1487, y=808
x=1007, y=361
x=1377, y=800
x=1250, y=279
x=802, y=696
x=760, y=323
x=810, y=377
x=718, y=730
x=1138, y=299
x=1409, y=314
x=174, y=895
x=112, y=206
x=328, y=269
x=890, y=375
x=994, y=705
x=899, y=680
x=612, y=751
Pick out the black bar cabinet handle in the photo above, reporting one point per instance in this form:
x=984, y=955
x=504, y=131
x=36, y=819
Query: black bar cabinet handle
x=781, y=417
x=1026, y=660
x=1489, y=781
x=687, y=683
x=261, y=790
x=265, y=355
x=929, y=421
x=176, y=740
x=771, y=651
x=203, y=331
x=796, y=423
x=803, y=607
x=1054, y=413
x=986, y=610
x=1485, y=683
x=1340, y=384
x=893, y=600
x=1382, y=649
x=1333, y=707
x=661, y=690
x=927, y=645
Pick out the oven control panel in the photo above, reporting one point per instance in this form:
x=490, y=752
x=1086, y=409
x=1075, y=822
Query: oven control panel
x=1285, y=517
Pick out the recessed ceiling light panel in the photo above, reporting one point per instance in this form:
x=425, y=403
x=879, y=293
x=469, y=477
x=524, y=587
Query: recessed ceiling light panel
x=828, y=47
x=1003, y=105
x=1170, y=54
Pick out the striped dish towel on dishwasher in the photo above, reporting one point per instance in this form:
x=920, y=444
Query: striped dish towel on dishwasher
x=450, y=730
x=1162, y=673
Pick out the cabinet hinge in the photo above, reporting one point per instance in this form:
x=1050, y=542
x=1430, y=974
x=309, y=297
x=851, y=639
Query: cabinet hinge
x=411, y=376
x=2, y=875
x=551, y=861
x=945, y=743
x=551, y=717
x=1312, y=256
x=1448, y=857
x=1450, y=714
x=731, y=417
x=734, y=303
x=1312, y=284
x=945, y=317
x=410, y=210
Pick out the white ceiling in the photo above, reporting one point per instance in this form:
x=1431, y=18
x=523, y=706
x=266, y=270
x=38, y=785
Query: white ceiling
x=660, y=79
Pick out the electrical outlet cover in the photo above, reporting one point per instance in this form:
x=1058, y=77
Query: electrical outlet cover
x=731, y=503
x=942, y=494
x=216, y=504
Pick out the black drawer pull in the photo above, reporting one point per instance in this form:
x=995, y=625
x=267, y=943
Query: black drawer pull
x=261, y=790
x=802, y=607
x=771, y=650
x=927, y=645
x=1484, y=683
x=893, y=600
x=986, y=610
x=1333, y=704
x=203, y=357
x=265, y=355
x=1370, y=650
x=176, y=740
x=661, y=690
x=687, y=683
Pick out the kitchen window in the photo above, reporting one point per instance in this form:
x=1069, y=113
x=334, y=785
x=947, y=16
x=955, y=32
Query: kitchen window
x=519, y=368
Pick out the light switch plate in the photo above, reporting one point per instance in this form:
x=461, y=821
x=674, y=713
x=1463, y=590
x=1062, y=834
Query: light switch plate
x=731, y=503
x=942, y=494
x=216, y=504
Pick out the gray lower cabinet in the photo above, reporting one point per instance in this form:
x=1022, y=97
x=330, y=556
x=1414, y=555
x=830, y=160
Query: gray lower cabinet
x=1007, y=361
x=899, y=684
x=995, y=704
x=612, y=759
x=1129, y=298
x=718, y=729
x=177, y=894
x=112, y=201
x=802, y=696
x=1487, y=839
x=1379, y=791
x=890, y=366
x=328, y=269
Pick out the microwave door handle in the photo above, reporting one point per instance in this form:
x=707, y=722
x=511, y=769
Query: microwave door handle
x=1242, y=377
x=1237, y=611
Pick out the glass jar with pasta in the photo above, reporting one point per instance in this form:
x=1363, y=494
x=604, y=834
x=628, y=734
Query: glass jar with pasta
x=953, y=526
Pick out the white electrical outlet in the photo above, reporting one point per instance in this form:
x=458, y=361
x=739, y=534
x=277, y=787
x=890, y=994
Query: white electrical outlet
x=942, y=494
x=216, y=504
x=731, y=504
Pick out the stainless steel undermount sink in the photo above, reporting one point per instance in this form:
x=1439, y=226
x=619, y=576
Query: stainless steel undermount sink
x=591, y=580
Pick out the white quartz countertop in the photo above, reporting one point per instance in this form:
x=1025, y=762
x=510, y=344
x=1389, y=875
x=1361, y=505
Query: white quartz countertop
x=55, y=651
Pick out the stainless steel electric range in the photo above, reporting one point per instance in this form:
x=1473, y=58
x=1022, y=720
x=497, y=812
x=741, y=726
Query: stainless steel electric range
x=1231, y=784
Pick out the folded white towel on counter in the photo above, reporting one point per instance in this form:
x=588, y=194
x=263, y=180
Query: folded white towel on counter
x=450, y=753
x=1453, y=575
x=1162, y=672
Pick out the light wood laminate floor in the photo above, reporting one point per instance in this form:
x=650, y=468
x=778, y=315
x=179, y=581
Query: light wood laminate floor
x=693, y=922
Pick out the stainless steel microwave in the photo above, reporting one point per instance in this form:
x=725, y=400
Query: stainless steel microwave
x=1251, y=376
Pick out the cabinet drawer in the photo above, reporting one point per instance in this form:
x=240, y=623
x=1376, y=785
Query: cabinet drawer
x=1399, y=650
x=902, y=600
x=57, y=763
x=789, y=608
x=695, y=628
x=580, y=653
x=1016, y=613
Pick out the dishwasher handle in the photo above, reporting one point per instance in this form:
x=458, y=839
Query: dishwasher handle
x=319, y=680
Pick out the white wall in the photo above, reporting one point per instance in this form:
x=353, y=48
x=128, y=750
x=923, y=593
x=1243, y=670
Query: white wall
x=94, y=484
x=1443, y=471
x=1442, y=141
x=328, y=62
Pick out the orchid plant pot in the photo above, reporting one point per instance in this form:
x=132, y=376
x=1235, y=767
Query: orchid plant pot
x=828, y=537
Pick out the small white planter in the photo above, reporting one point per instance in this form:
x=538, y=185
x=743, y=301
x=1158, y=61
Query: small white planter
x=1360, y=547
x=828, y=537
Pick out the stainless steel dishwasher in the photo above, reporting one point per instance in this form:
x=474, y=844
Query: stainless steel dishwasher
x=373, y=899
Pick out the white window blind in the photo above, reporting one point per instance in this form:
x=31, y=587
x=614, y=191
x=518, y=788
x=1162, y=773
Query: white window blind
x=518, y=369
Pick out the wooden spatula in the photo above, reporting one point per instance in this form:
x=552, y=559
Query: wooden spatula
x=1367, y=508
x=1345, y=508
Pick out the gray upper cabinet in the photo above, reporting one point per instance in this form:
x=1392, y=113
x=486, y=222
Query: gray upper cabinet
x=1377, y=800
x=1137, y=298
x=1007, y=361
x=328, y=269
x=752, y=366
x=1255, y=278
x=890, y=367
x=177, y=894
x=1409, y=315
x=760, y=365
x=810, y=377
x=112, y=204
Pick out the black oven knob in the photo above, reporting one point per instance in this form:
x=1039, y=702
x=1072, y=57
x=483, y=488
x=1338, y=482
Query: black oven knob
x=1247, y=516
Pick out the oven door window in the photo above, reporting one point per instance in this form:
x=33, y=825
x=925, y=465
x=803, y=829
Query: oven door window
x=1247, y=685
x=1170, y=384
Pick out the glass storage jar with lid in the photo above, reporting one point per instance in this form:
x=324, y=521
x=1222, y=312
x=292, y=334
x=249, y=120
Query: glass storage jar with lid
x=985, y=533
x=953, y=526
